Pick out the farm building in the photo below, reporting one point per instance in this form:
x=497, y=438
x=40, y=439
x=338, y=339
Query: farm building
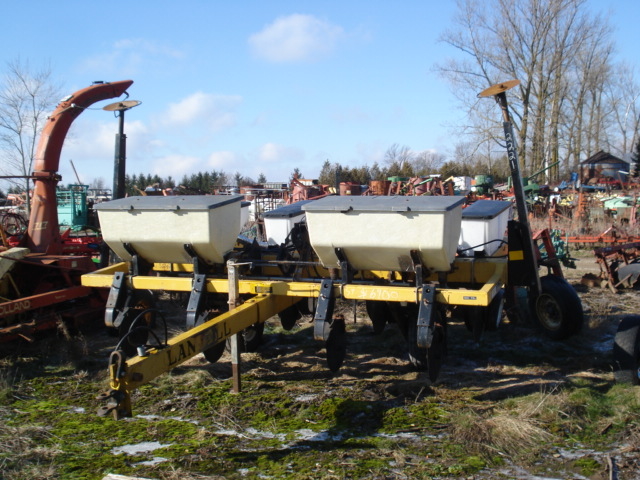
x=603, y=168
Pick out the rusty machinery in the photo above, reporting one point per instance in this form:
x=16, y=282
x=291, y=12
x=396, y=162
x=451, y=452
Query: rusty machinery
x=40, y=284
x=231, y=297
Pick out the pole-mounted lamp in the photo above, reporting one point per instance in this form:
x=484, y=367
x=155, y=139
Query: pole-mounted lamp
x=121, y=145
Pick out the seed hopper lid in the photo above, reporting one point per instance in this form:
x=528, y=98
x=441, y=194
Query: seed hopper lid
x=384, y=203
x=287, y=211
x=484, y=209
x=169, y=203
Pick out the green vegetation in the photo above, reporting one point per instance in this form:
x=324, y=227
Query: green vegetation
x=294, y=419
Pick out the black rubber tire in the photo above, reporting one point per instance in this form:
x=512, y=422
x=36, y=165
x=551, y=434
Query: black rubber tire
x=379, y=314
x=626, y=351
x=557, y=311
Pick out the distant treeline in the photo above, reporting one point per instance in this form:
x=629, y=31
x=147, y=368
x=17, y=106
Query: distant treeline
x=201, y=182
x=332, y=173
x=399, y=161
x=208, y=182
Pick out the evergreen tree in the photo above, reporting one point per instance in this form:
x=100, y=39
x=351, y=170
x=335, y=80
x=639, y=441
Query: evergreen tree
x=635, y=161
x=327, y=173
x=376, y=173
x=296, y=174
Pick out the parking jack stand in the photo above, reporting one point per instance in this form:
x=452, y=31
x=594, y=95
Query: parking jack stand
x=234, y=300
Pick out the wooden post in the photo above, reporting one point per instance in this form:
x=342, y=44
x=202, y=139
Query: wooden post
x=234, y=299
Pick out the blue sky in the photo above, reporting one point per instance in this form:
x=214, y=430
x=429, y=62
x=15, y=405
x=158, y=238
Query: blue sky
x=253, y=86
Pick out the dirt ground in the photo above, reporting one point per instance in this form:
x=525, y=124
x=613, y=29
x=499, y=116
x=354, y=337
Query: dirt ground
x=414, y=428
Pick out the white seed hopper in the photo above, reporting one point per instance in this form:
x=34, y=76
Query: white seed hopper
x=158, y=228
x=279, y=222
x=380, y=232
x=484, y=226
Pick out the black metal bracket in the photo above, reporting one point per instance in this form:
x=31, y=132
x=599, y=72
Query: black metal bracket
x=324, y=310
x=138, y=264
x=417, y=267
x=196, y=299
x=424, y=325
x=198, y=263
x=116, y=301
x=346, y=270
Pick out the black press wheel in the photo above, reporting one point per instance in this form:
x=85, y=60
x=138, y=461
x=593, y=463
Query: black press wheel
x=289, y=316
x=212, y=354
x=336, y=343
x=139, y=318
x=557, y=310
x=437, y=351
x=474, y=320
x=379, y=314
x=428, y=359
x=249, y=339
x=493, y=314
x=626, y=351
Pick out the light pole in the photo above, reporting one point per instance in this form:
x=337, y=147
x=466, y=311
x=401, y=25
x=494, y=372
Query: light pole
x=121, y=145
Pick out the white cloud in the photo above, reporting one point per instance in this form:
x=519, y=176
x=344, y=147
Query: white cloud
x=215, y=112
x=225, y=160
x=295, y=38
x=272, y=153
x=128, y=56
x=176, y=166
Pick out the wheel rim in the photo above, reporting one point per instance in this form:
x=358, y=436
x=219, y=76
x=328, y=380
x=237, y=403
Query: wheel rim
x=250, y=333
x=549, y=312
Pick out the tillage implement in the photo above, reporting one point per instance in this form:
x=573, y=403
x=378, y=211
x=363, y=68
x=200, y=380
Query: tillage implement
x=415, y=261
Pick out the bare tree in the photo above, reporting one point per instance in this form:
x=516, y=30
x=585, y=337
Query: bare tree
x=399, y=155
x=26, y=97
x=623, y=96
x=561, y=54
x=427, y=162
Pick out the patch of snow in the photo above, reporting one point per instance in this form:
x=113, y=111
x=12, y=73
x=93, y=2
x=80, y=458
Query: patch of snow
x=142, y=447
x=152, y=462
x=158, y=417
x=307, y=397
x=309, y=435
